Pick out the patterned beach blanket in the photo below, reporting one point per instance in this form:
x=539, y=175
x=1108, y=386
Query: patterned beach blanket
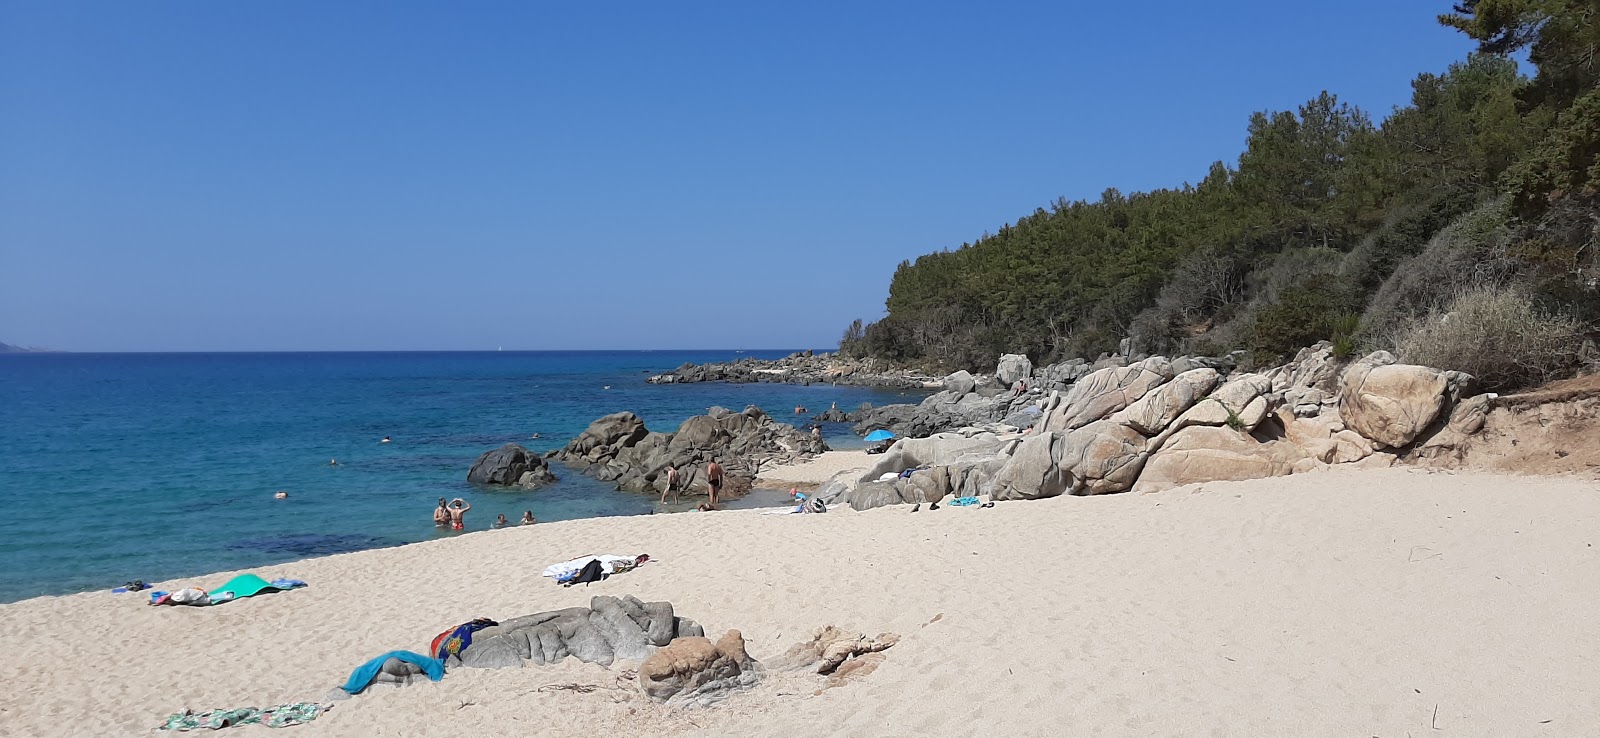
x=277, y=716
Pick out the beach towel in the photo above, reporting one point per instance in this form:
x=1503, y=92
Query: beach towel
x=964, y=501
x=612, y=563
x=277, y=716
x=453, y=641
x=249, y=585
x=365, y=673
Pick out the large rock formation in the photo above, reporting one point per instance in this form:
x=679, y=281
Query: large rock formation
x=619, y=448
x=510, y=465
x=1104, y=392
x=1013, y=368
x=609, y=629
x=1152, y=413
x=1391, y=403
x=1152, y=424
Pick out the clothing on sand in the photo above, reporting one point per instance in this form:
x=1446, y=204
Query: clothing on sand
x=365, y=673
x=277, y=716
x=609, y=563
x=454, y=640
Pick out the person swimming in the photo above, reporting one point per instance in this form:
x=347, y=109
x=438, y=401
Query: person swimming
x=527, y=518
x=501, y=521
x=385, y=440
x=281, y=495
x=333, y=462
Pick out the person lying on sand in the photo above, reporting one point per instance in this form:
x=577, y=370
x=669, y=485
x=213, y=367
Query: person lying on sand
x=441, y=514
x=527, y=518
x=458, y=513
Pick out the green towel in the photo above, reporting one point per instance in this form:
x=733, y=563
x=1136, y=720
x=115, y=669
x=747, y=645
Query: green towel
x=243, y=585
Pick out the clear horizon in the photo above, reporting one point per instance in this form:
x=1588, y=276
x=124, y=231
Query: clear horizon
x=369, y=177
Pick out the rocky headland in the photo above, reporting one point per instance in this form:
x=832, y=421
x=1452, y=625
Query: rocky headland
x=803, y=367
x=619, y=448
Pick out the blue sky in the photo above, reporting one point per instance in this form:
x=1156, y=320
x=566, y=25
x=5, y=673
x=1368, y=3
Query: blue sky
x=397, y=175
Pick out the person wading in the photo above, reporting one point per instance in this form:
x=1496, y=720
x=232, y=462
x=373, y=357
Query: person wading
x=714, y=481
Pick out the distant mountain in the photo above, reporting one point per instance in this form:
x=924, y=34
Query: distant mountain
x=6, y=348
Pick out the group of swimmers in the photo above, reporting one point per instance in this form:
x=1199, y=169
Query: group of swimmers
x=454, y=515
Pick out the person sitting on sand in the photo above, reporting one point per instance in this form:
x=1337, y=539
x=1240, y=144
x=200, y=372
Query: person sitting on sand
x=527, y=518
x=441, y=514
x=458, y=513
x=713, y=481
x=673, y=478
x=501, y=521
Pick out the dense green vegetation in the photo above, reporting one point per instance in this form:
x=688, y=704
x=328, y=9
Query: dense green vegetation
x=1328, y=226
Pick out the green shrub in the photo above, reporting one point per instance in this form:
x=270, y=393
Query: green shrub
x=1496, y=334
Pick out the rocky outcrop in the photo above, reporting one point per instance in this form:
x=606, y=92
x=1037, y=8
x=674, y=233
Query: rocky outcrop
x=1391, y=403
x=1218, y=453
x=830, y=649
x=1151, y=424
x=510, y=465
x=609, y=629
x=619, y=448
x=804, y=367
x=1104, y=392
x=693, y=670
x=1013, y=368
x=1155, y=411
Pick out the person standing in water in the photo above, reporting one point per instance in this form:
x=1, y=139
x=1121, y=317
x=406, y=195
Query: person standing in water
x=458, y=514
x=441, y=514
x=501, y=521
x=527, y=518
x=672, y=484
x=714, y=481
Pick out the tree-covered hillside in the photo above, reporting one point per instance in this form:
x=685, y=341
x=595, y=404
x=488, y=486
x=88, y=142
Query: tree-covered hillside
x=1328, y=226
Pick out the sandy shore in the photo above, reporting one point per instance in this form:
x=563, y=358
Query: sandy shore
x=1344, y=603
x=814, y=471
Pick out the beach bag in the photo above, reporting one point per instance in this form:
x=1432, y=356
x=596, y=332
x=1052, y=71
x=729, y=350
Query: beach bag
x=816, y=505
x=591, y=572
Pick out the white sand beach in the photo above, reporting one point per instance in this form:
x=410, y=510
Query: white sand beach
x=816, y=470
x=1341, y=603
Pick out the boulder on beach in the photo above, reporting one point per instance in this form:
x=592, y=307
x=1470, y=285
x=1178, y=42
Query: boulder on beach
x=610, y=628
x=694, y=670
x=1391, y=403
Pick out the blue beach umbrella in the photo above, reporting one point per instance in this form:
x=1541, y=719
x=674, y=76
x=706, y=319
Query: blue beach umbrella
x=879, y=435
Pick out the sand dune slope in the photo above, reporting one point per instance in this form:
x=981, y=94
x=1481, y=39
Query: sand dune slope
x=1345, y=603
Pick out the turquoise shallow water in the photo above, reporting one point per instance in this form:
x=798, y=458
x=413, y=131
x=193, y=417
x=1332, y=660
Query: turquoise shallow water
x=150, y=466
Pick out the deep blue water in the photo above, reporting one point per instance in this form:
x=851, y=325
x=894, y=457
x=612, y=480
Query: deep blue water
x=151, y=466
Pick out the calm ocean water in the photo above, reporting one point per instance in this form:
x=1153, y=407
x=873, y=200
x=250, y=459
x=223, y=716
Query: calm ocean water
x=151, y=466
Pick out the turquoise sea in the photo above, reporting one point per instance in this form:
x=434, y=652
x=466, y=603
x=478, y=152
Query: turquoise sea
x=151, y=466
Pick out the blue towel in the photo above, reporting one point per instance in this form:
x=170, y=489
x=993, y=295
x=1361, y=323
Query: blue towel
x=964, y=501
x=365, y=673
x=281, y=583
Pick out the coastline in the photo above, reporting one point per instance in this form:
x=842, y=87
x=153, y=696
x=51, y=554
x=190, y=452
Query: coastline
x=1327, y=603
